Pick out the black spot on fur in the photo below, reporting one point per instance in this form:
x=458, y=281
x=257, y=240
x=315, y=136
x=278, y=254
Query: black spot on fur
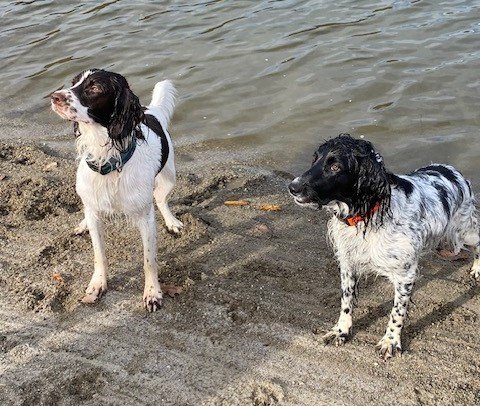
x=443, y=196
x=447, y=173
x=402, y=184
x=443, y=170
x=469, y=187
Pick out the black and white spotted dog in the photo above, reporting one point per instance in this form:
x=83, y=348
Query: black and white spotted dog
x=125, y=161
x=383, y=222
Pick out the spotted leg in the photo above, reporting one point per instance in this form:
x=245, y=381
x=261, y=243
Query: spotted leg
x=390, y=344
x=342, y=330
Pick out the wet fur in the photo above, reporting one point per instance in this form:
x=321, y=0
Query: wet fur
x=107, y=116
x=431, y=207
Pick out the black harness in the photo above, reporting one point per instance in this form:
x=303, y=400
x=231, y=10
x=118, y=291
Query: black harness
x=117, y=164
x=153, y=123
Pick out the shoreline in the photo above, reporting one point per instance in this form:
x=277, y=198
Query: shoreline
x=257, y=290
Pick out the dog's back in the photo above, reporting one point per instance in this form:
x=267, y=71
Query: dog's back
x=446, y=206
x=437, y=204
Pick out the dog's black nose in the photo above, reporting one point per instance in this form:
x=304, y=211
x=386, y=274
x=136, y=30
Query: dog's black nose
x=58, y=97
x=296, y=186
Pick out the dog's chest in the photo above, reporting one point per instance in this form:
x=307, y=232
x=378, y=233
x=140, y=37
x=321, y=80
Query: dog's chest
x=128, y=192
x=379, y=251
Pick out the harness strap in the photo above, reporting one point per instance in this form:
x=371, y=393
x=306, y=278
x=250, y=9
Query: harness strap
x=152, y=122
x=113, y=163
x=117, y=164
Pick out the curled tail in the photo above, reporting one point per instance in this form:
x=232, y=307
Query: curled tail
x=163, y=99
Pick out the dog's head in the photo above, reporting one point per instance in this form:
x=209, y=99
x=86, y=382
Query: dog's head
x=101, y=97
x=347, y=175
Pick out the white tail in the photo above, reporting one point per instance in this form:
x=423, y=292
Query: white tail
x=163, y=97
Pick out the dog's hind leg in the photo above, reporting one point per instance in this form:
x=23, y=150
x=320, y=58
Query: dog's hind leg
x=152, y=295
x=474, y=242
x=164, y=183
x=475, y=270
x=98, y=284
x=391, y=341
x=342, y=330
x=467, y=233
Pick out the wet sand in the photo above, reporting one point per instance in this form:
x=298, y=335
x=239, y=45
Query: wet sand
x=257, y=291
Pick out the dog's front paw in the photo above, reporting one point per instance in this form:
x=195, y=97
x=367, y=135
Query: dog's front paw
x=336, y=336
x=152, y=299
x=389, y=346
x=174, y=226
x=94, y=292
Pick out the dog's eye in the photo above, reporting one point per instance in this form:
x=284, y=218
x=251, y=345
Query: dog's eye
x=94, y=89
x=335, y=168
x=315, y=157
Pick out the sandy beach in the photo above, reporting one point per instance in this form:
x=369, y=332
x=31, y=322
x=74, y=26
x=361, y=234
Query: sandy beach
x=255, y=291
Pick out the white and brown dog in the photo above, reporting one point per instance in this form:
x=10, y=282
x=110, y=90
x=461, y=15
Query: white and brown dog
x=382, y=223
x=125, y=160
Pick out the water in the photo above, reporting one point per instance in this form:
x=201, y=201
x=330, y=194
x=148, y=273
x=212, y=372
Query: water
x=267, y=80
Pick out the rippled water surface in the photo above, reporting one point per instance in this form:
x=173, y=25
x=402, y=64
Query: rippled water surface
x=268, y=79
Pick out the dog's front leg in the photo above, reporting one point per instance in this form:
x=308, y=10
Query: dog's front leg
x=152, y=295
x=342, y=330
x=390, y=344
x=98, y=284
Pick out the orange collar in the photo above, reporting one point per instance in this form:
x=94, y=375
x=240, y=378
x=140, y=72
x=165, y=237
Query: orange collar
x=354, y=220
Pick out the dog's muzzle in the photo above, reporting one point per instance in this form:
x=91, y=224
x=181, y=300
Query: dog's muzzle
x=61, y=102
x=297, y=188
x=59, y=98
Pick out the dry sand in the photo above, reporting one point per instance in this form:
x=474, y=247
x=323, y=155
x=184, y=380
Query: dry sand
x=259, y=288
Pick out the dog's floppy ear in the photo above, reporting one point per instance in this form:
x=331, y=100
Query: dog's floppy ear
x=127, y=113
x=373, y=181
